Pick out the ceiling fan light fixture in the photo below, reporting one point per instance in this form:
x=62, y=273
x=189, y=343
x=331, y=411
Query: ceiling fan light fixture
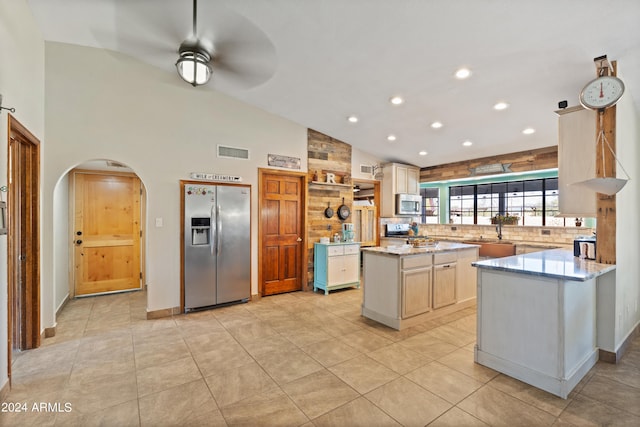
x=193, y=66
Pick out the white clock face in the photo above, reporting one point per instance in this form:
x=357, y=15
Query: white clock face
x=602, y=92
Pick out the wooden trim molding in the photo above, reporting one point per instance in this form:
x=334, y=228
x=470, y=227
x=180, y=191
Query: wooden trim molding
x=165, y=312
x=615, y=357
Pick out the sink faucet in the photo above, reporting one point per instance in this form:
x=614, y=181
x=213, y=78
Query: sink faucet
x=499, y=229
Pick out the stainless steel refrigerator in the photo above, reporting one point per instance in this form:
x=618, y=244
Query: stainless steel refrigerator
x=217, y=245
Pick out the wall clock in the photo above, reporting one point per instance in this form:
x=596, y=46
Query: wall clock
x=601, y=92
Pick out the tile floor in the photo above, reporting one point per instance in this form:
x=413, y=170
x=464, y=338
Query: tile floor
x=299, y=359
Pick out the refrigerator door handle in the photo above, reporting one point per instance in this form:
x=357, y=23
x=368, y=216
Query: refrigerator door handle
x=212, y=229
x=219, y=228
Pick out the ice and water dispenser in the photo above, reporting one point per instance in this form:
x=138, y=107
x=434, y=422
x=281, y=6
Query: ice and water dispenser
x=200, y=231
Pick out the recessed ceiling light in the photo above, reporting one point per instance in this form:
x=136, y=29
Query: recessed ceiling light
x=467, y=143
x=501, y=106
x=529, y=131
x=352, y=119
x=423, y=153
x=463, y=73
x=396, y=100
x=391, y=138
x=436, y=125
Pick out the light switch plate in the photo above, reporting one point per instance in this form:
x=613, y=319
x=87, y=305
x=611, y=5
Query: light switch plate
x=159, y=222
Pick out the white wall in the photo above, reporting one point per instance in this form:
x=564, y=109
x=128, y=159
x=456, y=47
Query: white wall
x=627, y=299
x=22, y=87
x=61, y=237
x=110, y=106
x=358, y=158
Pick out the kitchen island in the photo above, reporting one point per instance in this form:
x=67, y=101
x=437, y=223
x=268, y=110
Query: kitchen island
x=537, y=317
x=404, y=286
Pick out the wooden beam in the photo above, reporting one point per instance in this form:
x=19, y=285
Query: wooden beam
x=606, y=205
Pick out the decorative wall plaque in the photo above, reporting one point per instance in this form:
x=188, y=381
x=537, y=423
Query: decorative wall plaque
x=283, y=161
x=492, y=168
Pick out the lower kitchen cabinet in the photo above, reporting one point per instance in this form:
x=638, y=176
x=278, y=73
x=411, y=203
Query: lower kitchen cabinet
x=416, y=285
x=444, y=285
x=336, y=266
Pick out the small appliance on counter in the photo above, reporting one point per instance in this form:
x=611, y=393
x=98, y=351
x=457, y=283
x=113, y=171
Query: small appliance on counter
x=585, y=247
x=347, y=232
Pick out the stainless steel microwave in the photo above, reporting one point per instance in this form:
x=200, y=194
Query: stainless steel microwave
x=408, y=204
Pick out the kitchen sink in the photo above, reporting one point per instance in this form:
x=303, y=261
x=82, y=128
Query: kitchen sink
x=494, y=248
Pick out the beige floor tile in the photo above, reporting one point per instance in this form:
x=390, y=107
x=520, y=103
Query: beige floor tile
x=529, y=394
x=272, y=408
x=627, y=371
x=613, y=393
x=246, y=333
x=452, y=335
x=357, y=413
x=103, y=364
x=456, y=417
x=161, y=377
x=305, y=336
x=156, y=336
x=286, y=366
x=363, y=373
x=209, y=341
x=499, y=409
x=28, y=418
x=157, y=354
x=185, y=404
x=462, y=360
x=408, y=403
x=399, y=358
x=319, y=393
x=428, y=345
x=264, y=345
x=445, y=382
x=330, y=352
x=122, y=415
x=467, y=324
x=226, y=357
x=583, y=411
x=89, y=394
x=232, y=385
x=364, y=341
x=336, y=326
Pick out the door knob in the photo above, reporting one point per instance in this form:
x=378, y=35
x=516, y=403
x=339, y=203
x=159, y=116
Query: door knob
x=299, y=239
x=78, y=242
x=79, y=233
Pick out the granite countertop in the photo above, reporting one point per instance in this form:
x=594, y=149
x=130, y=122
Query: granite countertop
x=532, y=243
x=410, y=250
x=553, y=263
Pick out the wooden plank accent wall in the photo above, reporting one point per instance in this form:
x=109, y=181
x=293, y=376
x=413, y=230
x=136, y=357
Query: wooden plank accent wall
x=523, y=161
x=326, y=154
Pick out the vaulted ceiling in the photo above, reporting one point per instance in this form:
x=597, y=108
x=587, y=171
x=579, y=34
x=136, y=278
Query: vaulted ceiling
x=317, y=62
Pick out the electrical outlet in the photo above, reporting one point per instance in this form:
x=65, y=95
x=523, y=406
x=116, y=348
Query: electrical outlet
x=329, y=227
x=545, y=232
x=454, y=228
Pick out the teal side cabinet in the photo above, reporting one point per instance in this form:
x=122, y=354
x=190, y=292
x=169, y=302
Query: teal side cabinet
x=336, y=266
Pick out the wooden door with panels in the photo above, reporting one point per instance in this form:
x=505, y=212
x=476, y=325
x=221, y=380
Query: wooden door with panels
x=106, y=232
x=282, y=254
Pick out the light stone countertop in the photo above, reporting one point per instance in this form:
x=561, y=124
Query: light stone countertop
x=553, y=263
x=410, y=250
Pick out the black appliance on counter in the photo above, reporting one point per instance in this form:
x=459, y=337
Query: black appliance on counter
x=400, y=231
x=585, y=247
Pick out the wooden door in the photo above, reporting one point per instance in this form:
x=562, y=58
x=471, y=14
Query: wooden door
x=281, y=234
x=106, y=232
x=24, y=239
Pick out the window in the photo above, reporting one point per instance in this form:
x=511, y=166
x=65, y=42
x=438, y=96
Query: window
x=430, y=205
x=534, y=202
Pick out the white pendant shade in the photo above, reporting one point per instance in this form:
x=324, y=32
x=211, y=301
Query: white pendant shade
x=193, y=67
x=608, y=186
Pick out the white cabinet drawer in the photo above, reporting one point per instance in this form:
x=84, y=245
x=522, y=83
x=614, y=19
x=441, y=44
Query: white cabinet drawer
x=444, y=257
x=416, y=261
x=335, y=250
x=351, y=249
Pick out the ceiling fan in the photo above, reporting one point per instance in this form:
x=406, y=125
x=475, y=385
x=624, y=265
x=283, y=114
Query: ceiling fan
x=221, y=42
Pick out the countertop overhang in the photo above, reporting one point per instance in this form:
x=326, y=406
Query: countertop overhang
x=410, y=250
x=553, y=263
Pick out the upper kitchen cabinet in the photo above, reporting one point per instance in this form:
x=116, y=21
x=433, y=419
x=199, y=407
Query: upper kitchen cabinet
x=576, y=161
x=398, y=179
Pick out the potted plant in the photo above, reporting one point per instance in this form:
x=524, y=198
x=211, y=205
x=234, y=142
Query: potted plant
x=505, y=219
x=578, y=222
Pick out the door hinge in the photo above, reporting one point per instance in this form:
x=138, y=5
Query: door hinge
x=140, y=233
x=141, y=275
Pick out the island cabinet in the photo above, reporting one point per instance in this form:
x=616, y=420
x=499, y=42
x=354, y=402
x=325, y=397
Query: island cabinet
x=336, y=266
x=416, y=277
x=405, y=286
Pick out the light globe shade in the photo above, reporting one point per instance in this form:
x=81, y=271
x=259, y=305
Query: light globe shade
x=194, y=68
x=608, y=186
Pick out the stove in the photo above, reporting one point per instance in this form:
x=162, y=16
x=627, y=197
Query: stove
x=397, y=230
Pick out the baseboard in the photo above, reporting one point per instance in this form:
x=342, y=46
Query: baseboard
x=48, y=333
x=165, y=312
x=4, y=391
x=610, y=356
x=62, y=305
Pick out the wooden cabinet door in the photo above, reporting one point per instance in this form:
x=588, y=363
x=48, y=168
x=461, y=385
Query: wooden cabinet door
x=335, y=270
x=444, y=285
x=401, y=179
x=413, y=181
x=351, y=268
x=416, y=292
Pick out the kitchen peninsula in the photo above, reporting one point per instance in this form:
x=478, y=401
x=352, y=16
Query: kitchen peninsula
x=537, y=317
x=404, y=286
